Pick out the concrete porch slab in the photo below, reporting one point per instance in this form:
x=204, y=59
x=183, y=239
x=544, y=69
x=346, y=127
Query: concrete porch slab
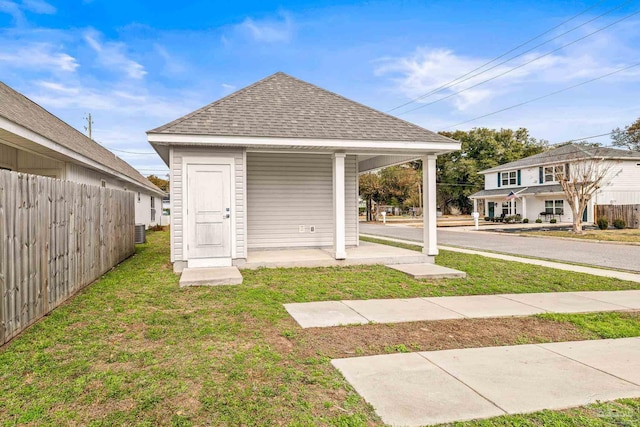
x=407, y=390
x=210, y=276
x=563, y=302
x=529, y=378
x=629, y=299
x=365, y=254
x=618, y=357
x=478, y=306
x=401, y=310
x=323, y=313
x=428, y=271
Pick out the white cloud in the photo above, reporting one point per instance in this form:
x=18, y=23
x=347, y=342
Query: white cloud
x=427, y=70
x=38, y=56
x=172, y=65
x=228, y=88
x=113, y=56
x=268, y=30
x=39, y=6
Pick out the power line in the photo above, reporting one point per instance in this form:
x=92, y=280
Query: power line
x=133, y=152
x=521, y=65
x=547, y=95
x=455, y=81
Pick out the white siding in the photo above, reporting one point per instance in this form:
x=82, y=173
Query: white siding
x=286, y=191
x=624, y=188
x=8, y=157
x=177, y=220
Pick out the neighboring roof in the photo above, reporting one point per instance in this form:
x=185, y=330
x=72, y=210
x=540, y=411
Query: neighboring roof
x=533, y=190
x=281, y=106
x=24, y=112
x=565, y=153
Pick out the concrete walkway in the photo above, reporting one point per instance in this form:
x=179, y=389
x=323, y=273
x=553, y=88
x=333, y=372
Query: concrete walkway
x=335, y=313
x=415, y=389
x=622, y=275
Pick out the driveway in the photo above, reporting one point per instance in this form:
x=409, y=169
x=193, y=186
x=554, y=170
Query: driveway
x=622, y=257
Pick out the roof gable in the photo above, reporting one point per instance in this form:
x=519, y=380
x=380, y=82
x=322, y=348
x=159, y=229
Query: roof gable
x=564, y=153
x=281, y=106
x=24, y=112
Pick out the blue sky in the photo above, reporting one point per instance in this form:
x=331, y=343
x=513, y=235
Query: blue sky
x=136, y=65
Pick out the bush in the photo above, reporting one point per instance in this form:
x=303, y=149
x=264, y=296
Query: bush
x=525, y=221
x=619, y=223
x=538, y=221
x=486, y=218
x=553, y=221
x=603, y=223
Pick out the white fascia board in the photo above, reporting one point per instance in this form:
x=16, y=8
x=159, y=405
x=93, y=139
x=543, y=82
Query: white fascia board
x=338, y=144
x=25, y=133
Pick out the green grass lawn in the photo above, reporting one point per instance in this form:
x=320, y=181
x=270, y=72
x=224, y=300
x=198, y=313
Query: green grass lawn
x=135, y=349
x=627, y=235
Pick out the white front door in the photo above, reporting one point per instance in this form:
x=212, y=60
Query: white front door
x=208, y=215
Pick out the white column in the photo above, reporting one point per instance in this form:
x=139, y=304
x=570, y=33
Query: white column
x=486, y=207
x=475, y=205
x=339, y=245
x=524, y=207
x=429, y=205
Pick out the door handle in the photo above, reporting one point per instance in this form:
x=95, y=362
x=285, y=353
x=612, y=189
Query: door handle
x=226, y=216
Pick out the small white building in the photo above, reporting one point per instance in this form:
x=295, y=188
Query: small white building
x=532, y=180
x=34, y=141
x=275, y=166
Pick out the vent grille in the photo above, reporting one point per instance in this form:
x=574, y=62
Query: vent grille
x=141, y=234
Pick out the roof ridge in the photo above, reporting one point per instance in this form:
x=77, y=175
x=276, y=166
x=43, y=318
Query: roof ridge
x=212, y=104
x=366, y=106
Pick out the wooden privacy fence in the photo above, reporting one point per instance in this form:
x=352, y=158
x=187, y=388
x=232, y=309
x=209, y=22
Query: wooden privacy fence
x=56, y=237
x=629, y=213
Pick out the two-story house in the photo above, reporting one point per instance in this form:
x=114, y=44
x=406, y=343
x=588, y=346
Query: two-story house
x=528, y=187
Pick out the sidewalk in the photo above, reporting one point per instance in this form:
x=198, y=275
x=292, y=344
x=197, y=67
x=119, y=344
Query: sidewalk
x=335, y=313
x=415, y=389
x=622, y=275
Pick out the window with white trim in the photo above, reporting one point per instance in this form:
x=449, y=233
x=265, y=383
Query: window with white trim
x=509, y=178
x=551, y=173
x=153, y=208
x=554, y=207
x=103, y=183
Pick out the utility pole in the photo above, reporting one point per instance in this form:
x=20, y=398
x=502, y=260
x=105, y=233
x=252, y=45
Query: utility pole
x=89, y=125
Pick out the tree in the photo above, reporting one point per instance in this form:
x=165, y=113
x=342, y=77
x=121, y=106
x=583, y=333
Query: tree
x=580, y=179
x=370, y=190
x=482, y=148
x=162, y=184
x=628, y=137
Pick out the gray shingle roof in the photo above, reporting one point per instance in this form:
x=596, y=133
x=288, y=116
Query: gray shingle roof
x=281, y=106
x=531, y=190
x=566, y=153
x=21, y=110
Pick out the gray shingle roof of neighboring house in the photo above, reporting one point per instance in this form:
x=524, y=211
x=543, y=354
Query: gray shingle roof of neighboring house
x=566, y=153
x=21, y=110
x=281, y=106
x=520, y=191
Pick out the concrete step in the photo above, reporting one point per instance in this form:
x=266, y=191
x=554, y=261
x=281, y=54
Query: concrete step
x=210, y=276
x=428, y=271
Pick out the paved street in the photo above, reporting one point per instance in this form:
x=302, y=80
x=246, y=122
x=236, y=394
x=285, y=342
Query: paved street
x=625, y=257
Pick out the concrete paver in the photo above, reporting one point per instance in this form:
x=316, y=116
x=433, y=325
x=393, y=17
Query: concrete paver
x=323, y=313
x=564, y=302
x=414, y=389
x=479, y=306
x=629, y=299
x=407, y=390
x=334, y=313
x=428, y=271
x=619, y=357
x=530, y=378
x=401, y=310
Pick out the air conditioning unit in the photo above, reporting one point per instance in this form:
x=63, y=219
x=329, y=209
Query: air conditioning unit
x=141, y=234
